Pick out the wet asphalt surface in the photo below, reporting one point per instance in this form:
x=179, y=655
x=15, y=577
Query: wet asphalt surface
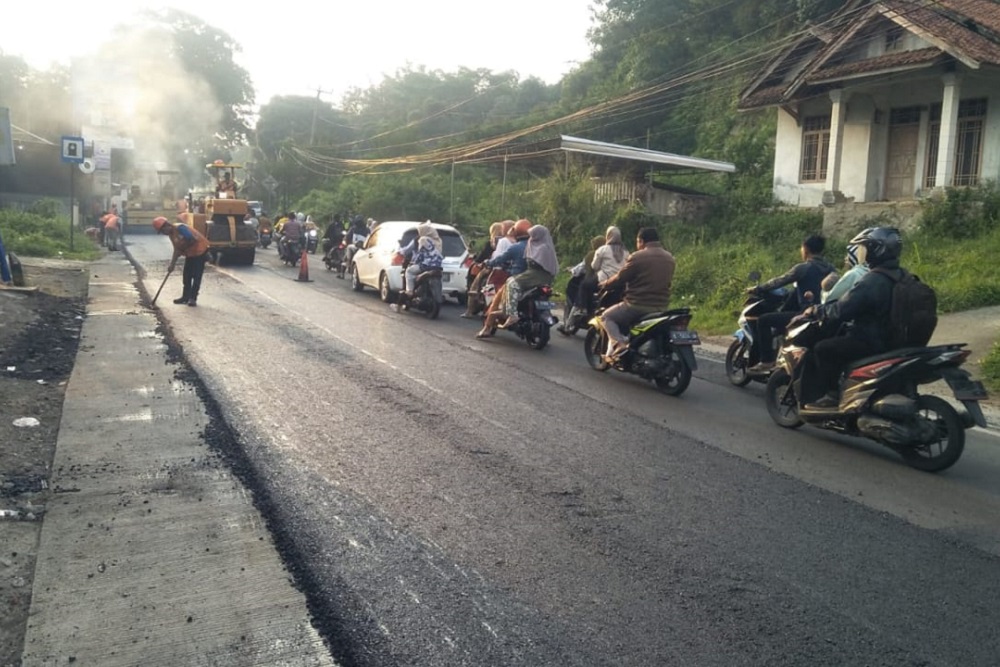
x=447, y=501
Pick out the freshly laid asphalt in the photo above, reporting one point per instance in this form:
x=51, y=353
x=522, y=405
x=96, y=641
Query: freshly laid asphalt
x=151, y=551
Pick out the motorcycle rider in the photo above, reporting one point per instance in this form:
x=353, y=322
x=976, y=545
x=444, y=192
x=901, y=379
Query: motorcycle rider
x=646, y=280
x=357, y=234
x=541, y=267
x=424, y=254
x=866, y=307
x=333, y=236
x=513, y=262
x=478, y=271
x=292, y=232
x=808, y=276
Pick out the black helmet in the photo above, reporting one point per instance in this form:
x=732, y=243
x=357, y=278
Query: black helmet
x=882, y=244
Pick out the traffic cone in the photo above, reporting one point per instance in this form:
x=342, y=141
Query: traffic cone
x=304, y=267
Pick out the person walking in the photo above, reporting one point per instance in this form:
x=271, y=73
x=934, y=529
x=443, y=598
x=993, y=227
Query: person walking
x=193, y=246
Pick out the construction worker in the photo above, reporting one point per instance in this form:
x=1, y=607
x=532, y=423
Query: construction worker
x=190, y=243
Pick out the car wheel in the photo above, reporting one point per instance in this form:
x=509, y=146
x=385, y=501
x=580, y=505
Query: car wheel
x=356, y=280
x=387, y=294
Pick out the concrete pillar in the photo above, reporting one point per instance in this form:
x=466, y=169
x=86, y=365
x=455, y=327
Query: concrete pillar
x=945, y=174
x=838, y=115
x=920, y=169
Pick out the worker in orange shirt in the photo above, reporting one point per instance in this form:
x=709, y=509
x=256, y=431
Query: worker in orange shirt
x=112, y=227
x=190, y=243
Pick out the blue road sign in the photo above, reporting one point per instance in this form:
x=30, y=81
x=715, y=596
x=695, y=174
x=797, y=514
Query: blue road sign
x=72, y=149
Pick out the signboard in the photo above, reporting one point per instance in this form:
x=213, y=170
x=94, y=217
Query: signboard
x=6, y=138
x=72, y=149
x=102, y=154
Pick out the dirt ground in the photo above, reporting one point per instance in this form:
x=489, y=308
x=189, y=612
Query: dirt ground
x=39, y=339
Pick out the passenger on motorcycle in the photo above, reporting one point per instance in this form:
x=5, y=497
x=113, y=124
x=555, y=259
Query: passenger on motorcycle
x=610, y=257
x=857, y=268
x=808, y=276
x=423, y=253
x=540, y=269
x=512, y=261
x=357, y=234
x=582, y=287
x=866, y=307
x=646, y=279
x=478, y=272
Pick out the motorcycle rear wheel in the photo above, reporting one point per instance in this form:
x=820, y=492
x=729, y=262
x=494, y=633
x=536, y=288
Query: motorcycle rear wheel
x=782, y=404
x=737, y=360
x=674, y=385
x=433, y=310
x=594, y=346
x=951, y=442
x=537, y=335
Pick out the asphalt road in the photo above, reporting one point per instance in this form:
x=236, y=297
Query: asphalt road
x=449, y=501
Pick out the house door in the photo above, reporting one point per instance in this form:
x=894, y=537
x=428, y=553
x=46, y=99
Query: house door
x=901, y=162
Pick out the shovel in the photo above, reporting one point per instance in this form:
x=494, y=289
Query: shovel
x=161, y=287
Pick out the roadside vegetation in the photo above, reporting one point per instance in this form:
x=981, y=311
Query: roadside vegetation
x=41, y=231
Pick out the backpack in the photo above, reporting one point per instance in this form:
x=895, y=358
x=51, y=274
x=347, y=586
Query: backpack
x=913, y=313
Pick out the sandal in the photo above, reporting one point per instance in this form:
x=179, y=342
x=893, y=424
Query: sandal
x=484, y=334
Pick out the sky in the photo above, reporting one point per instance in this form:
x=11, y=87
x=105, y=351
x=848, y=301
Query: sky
x=296, y=47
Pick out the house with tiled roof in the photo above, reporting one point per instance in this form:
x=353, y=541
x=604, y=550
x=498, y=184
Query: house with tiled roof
x=886, y=101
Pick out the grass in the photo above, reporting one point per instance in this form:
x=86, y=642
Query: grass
x=41, y=232
x=990, y=368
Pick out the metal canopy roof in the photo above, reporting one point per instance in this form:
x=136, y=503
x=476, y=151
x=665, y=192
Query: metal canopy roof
x=590, y=147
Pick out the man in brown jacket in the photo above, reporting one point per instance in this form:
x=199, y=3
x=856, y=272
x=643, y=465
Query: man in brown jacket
x=646, y=278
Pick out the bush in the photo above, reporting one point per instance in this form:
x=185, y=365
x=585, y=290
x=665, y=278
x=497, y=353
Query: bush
x=35, y=233
x=991, y=368
x=962, y=213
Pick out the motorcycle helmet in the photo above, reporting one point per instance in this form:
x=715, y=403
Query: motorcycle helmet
x=882, y=244
x=301, y=217
x=521, y=228
x=158, y=223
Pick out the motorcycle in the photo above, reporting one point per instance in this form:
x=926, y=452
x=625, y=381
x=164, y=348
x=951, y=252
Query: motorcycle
x=333, y=257
x=879, y=398
x=264, y=237
x=427, y=295
x=348, y=256
x=312, y=241
x=290, y=252
x=534, y=311
x=660, y=348
x=743, y=352
x=576, y=318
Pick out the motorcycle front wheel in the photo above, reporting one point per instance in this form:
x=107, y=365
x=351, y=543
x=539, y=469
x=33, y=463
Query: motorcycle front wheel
x=944, y=451
x=782, y=403
x=675, y=384
x=737, y=360
x=594, y=346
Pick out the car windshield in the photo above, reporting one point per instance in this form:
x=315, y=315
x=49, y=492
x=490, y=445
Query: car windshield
x=454, y=246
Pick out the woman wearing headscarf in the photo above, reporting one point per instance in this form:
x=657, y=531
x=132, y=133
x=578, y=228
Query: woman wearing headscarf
x=478, y=272
x=610, y=257
x=424, y=254
x=581, y=287
x=542, y=266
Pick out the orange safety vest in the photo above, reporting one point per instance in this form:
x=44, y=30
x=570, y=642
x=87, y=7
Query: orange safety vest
x=197, y=248
x=110, y=221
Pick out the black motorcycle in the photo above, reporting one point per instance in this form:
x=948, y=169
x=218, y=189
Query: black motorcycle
x=312, y=241
x=333, y=257
x=743, y=352
x=535, y=319
x=427, y=295
x=264, y=237
x=660, y=348
x=290, y=252
x=879, y=398
x=576, y=316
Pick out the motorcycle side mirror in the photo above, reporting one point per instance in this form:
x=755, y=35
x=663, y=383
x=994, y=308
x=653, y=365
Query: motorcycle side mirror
x=754, y=276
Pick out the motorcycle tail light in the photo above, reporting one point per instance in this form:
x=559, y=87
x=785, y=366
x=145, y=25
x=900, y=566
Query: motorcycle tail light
x=546, y=290
x=872, y=371
x=680, y=323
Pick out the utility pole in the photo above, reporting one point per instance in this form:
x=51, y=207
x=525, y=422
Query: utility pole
x=312, y=132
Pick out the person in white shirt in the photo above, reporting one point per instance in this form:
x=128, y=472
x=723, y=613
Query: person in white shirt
x=610, y=257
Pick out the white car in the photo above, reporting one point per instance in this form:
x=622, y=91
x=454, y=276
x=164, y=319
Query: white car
x=378, y=264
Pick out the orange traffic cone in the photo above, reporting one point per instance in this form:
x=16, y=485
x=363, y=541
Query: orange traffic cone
x=304, y=267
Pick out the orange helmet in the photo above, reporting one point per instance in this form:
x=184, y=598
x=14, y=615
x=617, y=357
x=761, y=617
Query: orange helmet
x=158, y=223
x=521, y=228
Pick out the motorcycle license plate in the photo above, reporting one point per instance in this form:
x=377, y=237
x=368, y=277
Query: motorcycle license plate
x=544, y=305
x=685, y=338
x=965, y=388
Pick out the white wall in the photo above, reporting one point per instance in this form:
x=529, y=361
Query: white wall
x=787, y=156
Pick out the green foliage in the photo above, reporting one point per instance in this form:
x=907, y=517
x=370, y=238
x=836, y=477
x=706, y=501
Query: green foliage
x=42, y=233
x=963, y=213
x=991, y=368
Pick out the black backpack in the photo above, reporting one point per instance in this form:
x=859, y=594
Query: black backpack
x=913, y=313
